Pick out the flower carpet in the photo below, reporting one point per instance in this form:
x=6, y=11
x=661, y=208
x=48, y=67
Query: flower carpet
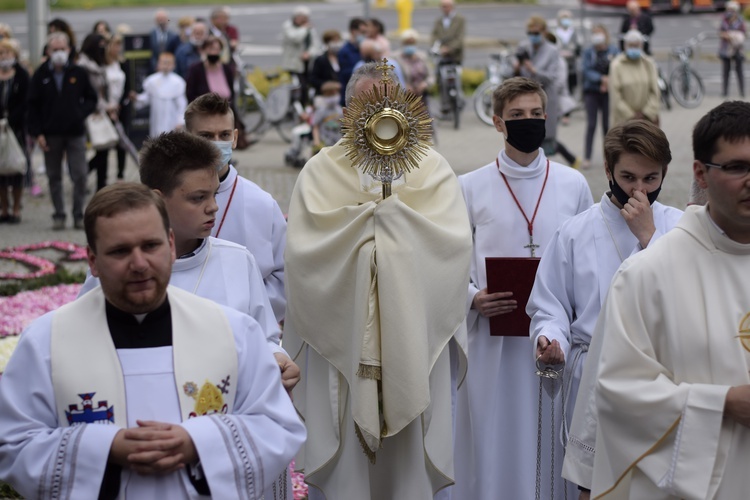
x=34, y=279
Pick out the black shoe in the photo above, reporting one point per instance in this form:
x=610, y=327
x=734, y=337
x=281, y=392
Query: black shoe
x=4, y=218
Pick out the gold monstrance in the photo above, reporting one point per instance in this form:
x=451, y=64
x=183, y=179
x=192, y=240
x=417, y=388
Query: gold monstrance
x=387, y=130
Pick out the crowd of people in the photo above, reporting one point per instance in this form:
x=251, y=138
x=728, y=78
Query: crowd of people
x=401, y=375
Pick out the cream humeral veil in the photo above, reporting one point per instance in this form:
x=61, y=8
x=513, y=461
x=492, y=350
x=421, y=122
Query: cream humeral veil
x=378, y=282
x=86, y=372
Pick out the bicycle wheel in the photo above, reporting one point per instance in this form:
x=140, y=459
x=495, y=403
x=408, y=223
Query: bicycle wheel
x=277, y=103
x=456, y=109
x=686, y=87
x=483, y=102
x=286, y=124
x=252, y=113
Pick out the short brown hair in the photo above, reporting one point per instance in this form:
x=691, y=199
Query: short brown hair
x=512, y=88
x=210, y=40
x=537, y=21
x=165, y=158
x=209, y=104
x=330, y=35
x=330, y=87
x=116, y=199
x=639, y=137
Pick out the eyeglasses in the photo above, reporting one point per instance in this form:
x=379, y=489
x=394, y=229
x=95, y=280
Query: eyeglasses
x=733, y=168
x=533, y=33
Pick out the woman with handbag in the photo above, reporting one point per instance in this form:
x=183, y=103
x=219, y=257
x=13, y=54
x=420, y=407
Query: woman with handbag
x=14, y=84
x=92, y=59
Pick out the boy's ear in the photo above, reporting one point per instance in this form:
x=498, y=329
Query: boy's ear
x=158, y=191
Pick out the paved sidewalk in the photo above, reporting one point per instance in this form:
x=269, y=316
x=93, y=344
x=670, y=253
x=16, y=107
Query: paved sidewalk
x=471, y=147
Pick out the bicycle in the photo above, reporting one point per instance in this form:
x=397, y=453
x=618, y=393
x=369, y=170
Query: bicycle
x=449, y=86
x=499, y=68
x=281, y=109
x=685, y=83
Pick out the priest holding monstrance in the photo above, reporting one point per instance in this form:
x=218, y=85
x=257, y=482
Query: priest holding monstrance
x=377, y=264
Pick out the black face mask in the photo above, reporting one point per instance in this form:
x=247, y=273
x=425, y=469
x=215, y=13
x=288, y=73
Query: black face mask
x=622, y=197
x=525, y=135
x=212, y=58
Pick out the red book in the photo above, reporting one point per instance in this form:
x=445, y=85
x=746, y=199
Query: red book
x=511, y=274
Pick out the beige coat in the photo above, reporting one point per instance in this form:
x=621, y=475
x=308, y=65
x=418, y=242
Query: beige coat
x=633, y=87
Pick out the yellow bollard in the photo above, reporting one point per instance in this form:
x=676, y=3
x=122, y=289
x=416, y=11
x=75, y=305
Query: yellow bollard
x=404, y=9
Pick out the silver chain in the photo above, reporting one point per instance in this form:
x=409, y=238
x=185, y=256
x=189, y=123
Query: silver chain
x=553, y=375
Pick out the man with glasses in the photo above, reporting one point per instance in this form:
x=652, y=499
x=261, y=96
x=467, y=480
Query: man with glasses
x=672, y=389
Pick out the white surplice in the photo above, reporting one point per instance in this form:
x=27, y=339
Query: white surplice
x=255, y=221
x=496, y=433
x=226, y=273
x=166, y=96
x=674, y=320
x=573, y=279
x=241, y=454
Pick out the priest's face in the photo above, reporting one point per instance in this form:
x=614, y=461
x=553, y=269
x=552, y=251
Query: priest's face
x=133, y=259
x=635, y=172
x=192, y=207
x=728, y=189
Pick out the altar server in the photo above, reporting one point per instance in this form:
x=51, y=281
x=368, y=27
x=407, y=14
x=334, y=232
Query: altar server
x=515, y=203
x=575, y=273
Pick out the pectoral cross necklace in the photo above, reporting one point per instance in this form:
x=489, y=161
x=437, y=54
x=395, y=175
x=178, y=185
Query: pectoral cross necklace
x=530, y=222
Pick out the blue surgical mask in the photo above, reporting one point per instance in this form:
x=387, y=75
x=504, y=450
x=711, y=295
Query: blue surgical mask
x=535, y=39
x=226, y=152
x=566, y=22
x=633, y=53
x=360, y=39
x=409, y=50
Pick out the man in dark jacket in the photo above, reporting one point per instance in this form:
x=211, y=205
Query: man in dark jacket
x=349, y=54
x=638, y=20
x=60, y=99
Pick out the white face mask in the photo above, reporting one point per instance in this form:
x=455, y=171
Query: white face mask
x=7, y=63
x=59, y=57
x=226, y=151
x=598, y=38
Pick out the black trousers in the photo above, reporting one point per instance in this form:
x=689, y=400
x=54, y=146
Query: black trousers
x=595, y=103
x=726, y=67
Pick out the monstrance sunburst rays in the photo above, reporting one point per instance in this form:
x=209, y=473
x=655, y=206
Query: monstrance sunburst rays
x=387, y=131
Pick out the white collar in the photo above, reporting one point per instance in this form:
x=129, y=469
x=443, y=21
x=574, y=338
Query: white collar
x=227, y=183
x=512, y=169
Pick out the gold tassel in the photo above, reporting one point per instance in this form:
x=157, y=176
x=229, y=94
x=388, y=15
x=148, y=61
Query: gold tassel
x=369, y=371
x=366, y=449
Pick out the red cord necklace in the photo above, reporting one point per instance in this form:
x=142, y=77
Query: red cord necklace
x=531, y=246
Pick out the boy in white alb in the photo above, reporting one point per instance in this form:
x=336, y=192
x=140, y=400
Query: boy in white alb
x=515, y=204
x=164, y=92
x=575, y=273
x=247, y=215
x=139, y=389
x=182, y=169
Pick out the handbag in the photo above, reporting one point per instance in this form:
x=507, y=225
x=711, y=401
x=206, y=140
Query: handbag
x=12, y=158
x=102, y=134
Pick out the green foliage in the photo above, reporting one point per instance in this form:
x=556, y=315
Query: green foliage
x=471, y=78
x=7, y=492
x=61, y=277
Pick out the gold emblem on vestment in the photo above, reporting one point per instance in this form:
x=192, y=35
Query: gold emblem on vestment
x=744, y=332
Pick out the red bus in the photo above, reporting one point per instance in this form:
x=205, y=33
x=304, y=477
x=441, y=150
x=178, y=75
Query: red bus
x=684, y=6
